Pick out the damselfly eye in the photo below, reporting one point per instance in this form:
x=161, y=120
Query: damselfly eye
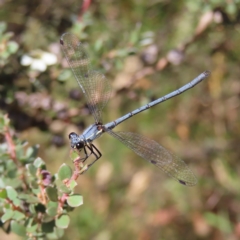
x=79, y=145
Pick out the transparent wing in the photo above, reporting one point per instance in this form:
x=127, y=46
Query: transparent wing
x=94, y=85
x=157, y=155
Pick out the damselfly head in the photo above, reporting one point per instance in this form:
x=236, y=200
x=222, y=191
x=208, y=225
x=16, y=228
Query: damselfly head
x=76, y=141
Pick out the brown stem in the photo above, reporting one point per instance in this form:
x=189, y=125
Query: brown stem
x=42, y=194
x=17, y=208
x=78, y=167
x=62, y=201
x=10, y=145
x=84, y=8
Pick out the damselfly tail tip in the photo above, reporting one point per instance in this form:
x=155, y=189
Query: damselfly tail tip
x=207, y=73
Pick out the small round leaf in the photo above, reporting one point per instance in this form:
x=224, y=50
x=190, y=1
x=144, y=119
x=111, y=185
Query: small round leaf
x=7, y=215
x=28, y=198
x=48, y=227
x=62, y=221
x=34, y=184
x=11, y=193
x=12, y=47
x=47, y=218
x=18, y=229
x=31, y=226
x=32, y=151
x=56, y=234
x=75, y=200
x=64, y=172
x=18, y=216
x=73, y=155
x=52, y=211
x=32, y=209
x=52, y=204
x=64, y=189
x=38, y=162
x=17, y=202
x=31, y=169
x=72, y=184
x=52, y=193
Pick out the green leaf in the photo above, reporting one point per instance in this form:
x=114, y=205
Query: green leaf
x=36, y=191
x=47, y=218
x=18, y=229
x=19, y=151
x=31, y=225
x=64, y=189
x=18, y=216
x=17, y=202
x=64, y=172
x=52, y=209
x=74, y=155
x=32, y=209
x=11, y=193
x=11, y=182
x=3, y=193
x=34, y=184
x=64, y=75
x=10, y=165
x=52, y=193
x=12, y=174
x=98, y=44
x=28, y=198
x=12, y=47
x=7, y=215
x=75, y=200
x=2, y=183
x=3, y=27
x=32, y=151
x=56, y=234
x=1, y=117
x=39, y=162
x=52, y=204
x=31, y=169
x=63, y=221
x=220, y=221
x=72, y=184
x=48, y=227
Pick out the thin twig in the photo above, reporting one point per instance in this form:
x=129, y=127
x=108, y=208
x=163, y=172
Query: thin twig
x=11, y=145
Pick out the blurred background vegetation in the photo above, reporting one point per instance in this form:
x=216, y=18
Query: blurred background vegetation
x=146, y=49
